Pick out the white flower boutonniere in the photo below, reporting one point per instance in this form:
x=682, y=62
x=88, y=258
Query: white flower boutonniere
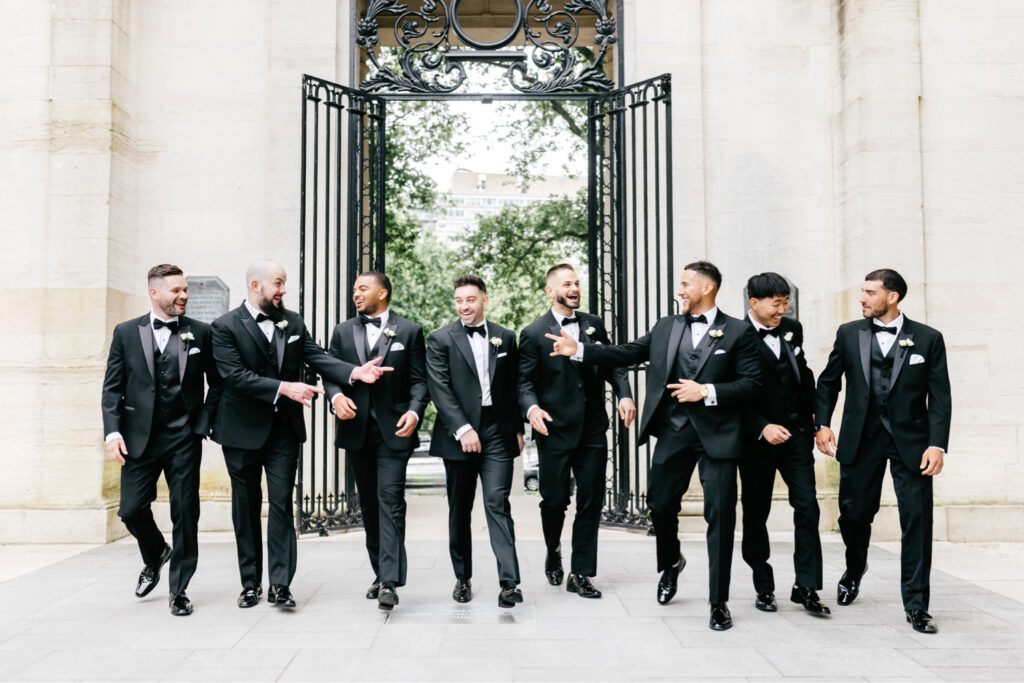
x=389, y=333
x=906, y=343
x=496, y=342
x=187, y=336
x=788, y=337
x=591, y=331
x=716, y=334
x=281, y=325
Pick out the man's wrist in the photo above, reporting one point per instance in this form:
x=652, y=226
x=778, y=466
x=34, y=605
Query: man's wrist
x=461, y=431
x=113, y=435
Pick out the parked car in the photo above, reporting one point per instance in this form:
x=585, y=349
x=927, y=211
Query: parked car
x=424, y=470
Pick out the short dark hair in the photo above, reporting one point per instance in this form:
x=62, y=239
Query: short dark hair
x=470, y=279
x=382, y=280
x=707, y=269
x=767, y=286
x=890, y=279
x=557, y=267
x=162, y=271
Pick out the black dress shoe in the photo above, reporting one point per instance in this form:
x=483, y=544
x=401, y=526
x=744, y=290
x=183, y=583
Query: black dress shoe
x=250, y=597
x=721, y=620
x=849, y=587
x=921, y=621
x=374, y=590
x=181, y=606
x=388, y=598
x=669, y=581
x=553, y=568
x=510, y=594
x=766, y=602
x=149, y=577
x=808, y=597
x=581, y=586
x=463, y=591
x=280, y=596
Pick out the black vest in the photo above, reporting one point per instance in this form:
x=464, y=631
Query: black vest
x=881, y=381
x=685, y=367
x=790, y=399
x=170, y=410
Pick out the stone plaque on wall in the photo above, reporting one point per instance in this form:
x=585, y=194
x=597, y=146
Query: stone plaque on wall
x=208, y=297
x=794, y=300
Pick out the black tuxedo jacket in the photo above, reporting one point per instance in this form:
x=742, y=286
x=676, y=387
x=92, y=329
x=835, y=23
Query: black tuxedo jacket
x=730, y=362
x=251, y=380
x=394, y=394
x=920, y=404
x=455, y=387
x=769, y=407
x=556, y=383
x=129, y=387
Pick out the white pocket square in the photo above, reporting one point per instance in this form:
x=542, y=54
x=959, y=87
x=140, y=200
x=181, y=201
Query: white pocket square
x=502, y=354
x=796, y=350
x=719, y=351
x=398, y=346
x=293, y=338
x=193, y=351
x=916, y=358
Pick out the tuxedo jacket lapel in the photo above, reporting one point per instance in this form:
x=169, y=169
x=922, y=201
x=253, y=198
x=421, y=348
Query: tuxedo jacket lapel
x=492, y=360
x=461, y=340
x=787, y=349
x=865, y=351
x=901, y=352
x=359, y=338
x=707, y=343
x=182, y=352
x=675, y=337
x=146, y=337
x=254, y=330
x=384, y=340
x=279, y=343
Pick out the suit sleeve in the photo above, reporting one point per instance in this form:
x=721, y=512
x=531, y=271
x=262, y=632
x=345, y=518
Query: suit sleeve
x=332, y=388
x=213, y=381
x=233, y=371
x=620, y=355
x=616, y=376
x=329, y=367
x=829, y=383
x=114, y=382
x=806, y=375
x=743, y=389
x=439, y=380
x=529, y=368
x=419, y=393
x=940, y=401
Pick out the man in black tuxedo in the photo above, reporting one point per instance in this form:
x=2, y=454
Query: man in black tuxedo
x=779, y=437
x=570, y=397
x=261, y=349
x=704, y=370
x=377, y=425
x=471, y=371
x=897, y=411
x=155, y=419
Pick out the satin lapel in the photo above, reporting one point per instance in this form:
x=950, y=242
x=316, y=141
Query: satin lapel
x=461, y=340
x=675, y=337
x=865, y=353
x=279, y=339
x=787, y=349
x=765, y=351
x=256, y=333
x=384, y=341
x=492, y=359
x=901, y=353
x=146, y=336
x=708, y=344
x=182, y=353
x=359, y=337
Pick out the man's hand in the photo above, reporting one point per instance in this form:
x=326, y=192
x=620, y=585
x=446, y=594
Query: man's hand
x=470, y=441
x=775, y=434
x=370, y=372
x=344, y=407
x=406, y=424
x=564, y=345
x=627, y=411
x=299, y=392
x=931, y=462
x=116, y=450
x=538, y=416
x=825, y=439
x=522, y=443
x=687, y=391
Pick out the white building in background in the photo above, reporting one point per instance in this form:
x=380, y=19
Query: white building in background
x=472, y=195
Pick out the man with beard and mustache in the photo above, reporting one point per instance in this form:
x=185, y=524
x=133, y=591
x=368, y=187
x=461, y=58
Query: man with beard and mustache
x=155, y=420
x=897, y=412
x=570, y=397
x=261, y=348
x=377, y=425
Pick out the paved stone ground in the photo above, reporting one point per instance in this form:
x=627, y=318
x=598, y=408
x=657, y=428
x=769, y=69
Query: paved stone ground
x=76, y=619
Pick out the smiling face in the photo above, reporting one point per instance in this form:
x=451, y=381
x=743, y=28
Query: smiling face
x=878, y=302
x=564, y=289
x=769, y=310
x=369, y=296
x=169, y=295
x=469, y=304
x=267, y=293
x=697, y=292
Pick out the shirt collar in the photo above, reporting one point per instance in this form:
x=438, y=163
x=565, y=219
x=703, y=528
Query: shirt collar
x=757, y=325
x=153, y=316
x=252, y=309
x=383, y=317
x=559, y=317
x=482, y=322
x=897, y=323
x=710, y=315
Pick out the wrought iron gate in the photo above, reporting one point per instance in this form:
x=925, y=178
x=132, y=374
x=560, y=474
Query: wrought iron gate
x=342, y=198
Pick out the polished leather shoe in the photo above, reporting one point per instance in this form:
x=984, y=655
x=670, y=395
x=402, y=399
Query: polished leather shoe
x=280, y=596
x=374, y=590
x=250, y=597
x=581, y=586
x=463, y=591
x=510, y=595
x=149, y=577
x=669, y=581
x=766, y=602
x=721, y=620
x=921, y=621
x=849, y=587
x=181, y=606
x=553, y=568
x=808, y=597
x=388, y=598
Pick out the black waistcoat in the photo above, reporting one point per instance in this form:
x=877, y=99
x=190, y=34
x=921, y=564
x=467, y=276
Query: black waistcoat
x=685, y=367
x=881, y=382
x=170, y=410
x=790, y=400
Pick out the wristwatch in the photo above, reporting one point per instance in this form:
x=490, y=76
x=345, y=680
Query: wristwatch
x=704, y=391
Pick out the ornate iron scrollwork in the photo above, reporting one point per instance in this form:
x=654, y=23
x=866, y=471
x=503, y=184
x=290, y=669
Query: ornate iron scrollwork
x=545, y=62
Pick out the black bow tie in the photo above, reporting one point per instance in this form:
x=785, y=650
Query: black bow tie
x=765, y=331
x=878, y=328
x=479, y=329
x=260, y=317
x=696, y=319
x=367, y=320
x=172, y=325
x=570, y=321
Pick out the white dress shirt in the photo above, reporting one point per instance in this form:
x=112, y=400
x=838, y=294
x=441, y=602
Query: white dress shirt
x=373, y=332
x=267, y=326
x=771, y=341
x=886, y=339
x=481, y=347
x=697, y=332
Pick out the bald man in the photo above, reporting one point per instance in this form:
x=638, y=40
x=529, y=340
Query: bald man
x=260, y=349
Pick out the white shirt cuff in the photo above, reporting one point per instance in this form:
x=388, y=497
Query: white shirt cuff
x=462, y=430
x=530, y=410
x=712, y=397
x=113, y=435
x=578, y=356
x=938, y=447
x=278, y=394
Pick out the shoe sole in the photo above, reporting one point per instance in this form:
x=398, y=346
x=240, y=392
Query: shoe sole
x=724, y=627
x=462, y=601
x=766, y=608
x=386, y=608
x=181, y=614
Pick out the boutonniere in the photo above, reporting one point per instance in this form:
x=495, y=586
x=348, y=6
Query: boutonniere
x=716, y=334
x=906, y=343
x=388, y=332
x=496, y=342
x=187, y=336
x=281, y=325
x=788, y=337
x=591, y=331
